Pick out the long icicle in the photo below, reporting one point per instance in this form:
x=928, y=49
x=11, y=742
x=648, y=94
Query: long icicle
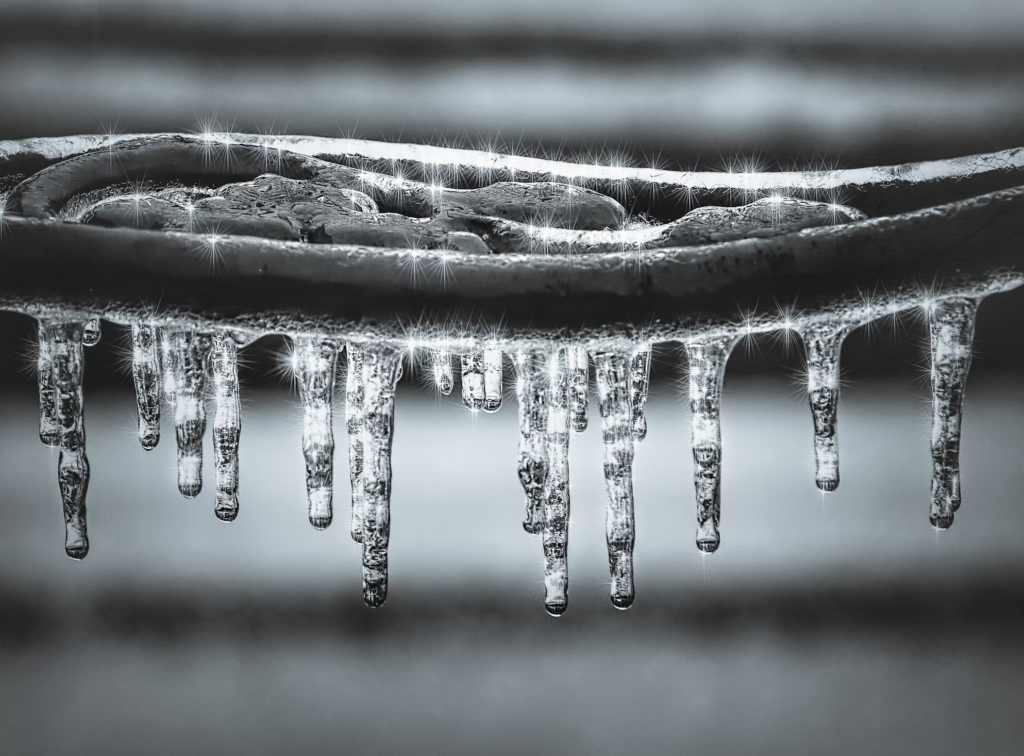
x=441, y=366
x=382, y=367
x=532, y=385
x=72, y=465
x=49, y=433
x=314, y=360
x=146, y=375
x=707, y=361
x=473, y=380
x=227, y=423
x=579, y=379
x=184, y=354
x=492, y=380
x=613, y=384
x=354, y=399
x=823, y=345
x=639, y=384
x=555, y=533
x=952, y=336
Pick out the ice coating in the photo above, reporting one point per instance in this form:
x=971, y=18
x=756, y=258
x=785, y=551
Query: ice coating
x=382, y=367
x=579, y=380
x=227, y=423
x=707, y=359
x=146, y=376
x=823, y=344
x=354, y=398
x=532, y=385
x=952, y=335
x=91, y=332
x=613, y=383
x=555, y=530
x=314, y=360
x=492, y=380
x=639, y=385
x=48, y=431
x=184, y=354
x=473, y=380
x=441, y=368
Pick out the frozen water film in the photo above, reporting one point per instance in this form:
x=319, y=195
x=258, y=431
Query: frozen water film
x=227, y=423
x=146, y=376
x=314, y=360
x=184, y=355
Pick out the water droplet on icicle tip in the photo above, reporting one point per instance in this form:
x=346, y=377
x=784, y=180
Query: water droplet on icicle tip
x=354, y=399
x=532, y=384
x=473, y=380
x=707, y=360
x=492, y=380
x=441, y=367
x=314, y=359
x=91, y=332
x=952, y=337
x=65, y=344
x=639, y=385
x=184, y=355
x=613, y=390
x=579, y=379
x=48, y=432
x=555, y=532
x=146, y=375
x=227, y=423
x=823, y=345
x=382, y=367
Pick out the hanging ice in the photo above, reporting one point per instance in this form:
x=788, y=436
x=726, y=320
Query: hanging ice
x=441, y=366
x=91, y=332
x=227, y=423
x=48, y=432
x=146, y=374
x=707, y=361
x=823, y=345
x=184, y=354
x=532, y=384
x=382, y=367
x=555, y=532
x=314, y=359
x=639, y=383
x=473, y=380
x=952, y=335
x=354, y=398
x=613, y=390
x=492, y=380
x=579, y=379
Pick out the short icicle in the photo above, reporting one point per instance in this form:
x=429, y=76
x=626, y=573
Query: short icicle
x=441, y=367
x=492, y=380
x=613, y=390
x=49, y=433
x=184, y=354
x=707, y=360
x=473, y=380
x=823, y=345
x=555, y=533
x=227, y=423
x=639, y=385
x=91, y=332
x=952, y=336
x=314, y=359
x=382, y=367
x=532, y=384
x=354, y=398
x=579, y=379
x=146, y=375
x=72, y=465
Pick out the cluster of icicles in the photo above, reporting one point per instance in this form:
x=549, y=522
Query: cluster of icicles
x=177, y=365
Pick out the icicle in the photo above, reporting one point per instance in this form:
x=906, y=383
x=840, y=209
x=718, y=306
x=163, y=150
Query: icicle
x=146, y=373
x=579, y=379
x=72, y=465
x=48, y=432
x=952, y=335
x=314, y=360
x=532, y=384
x=382, y=368
x=639, y=382
x=354, y=397
x=823, y=345
x=227, y=423
x=707, y=371
x=613, y=388
x=473, y=380
x=492, y=380
x=184, y=356
x=441, y=364
x=555, y=532
x=91, y=332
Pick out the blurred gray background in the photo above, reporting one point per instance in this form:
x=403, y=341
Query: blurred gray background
x=825, y=624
